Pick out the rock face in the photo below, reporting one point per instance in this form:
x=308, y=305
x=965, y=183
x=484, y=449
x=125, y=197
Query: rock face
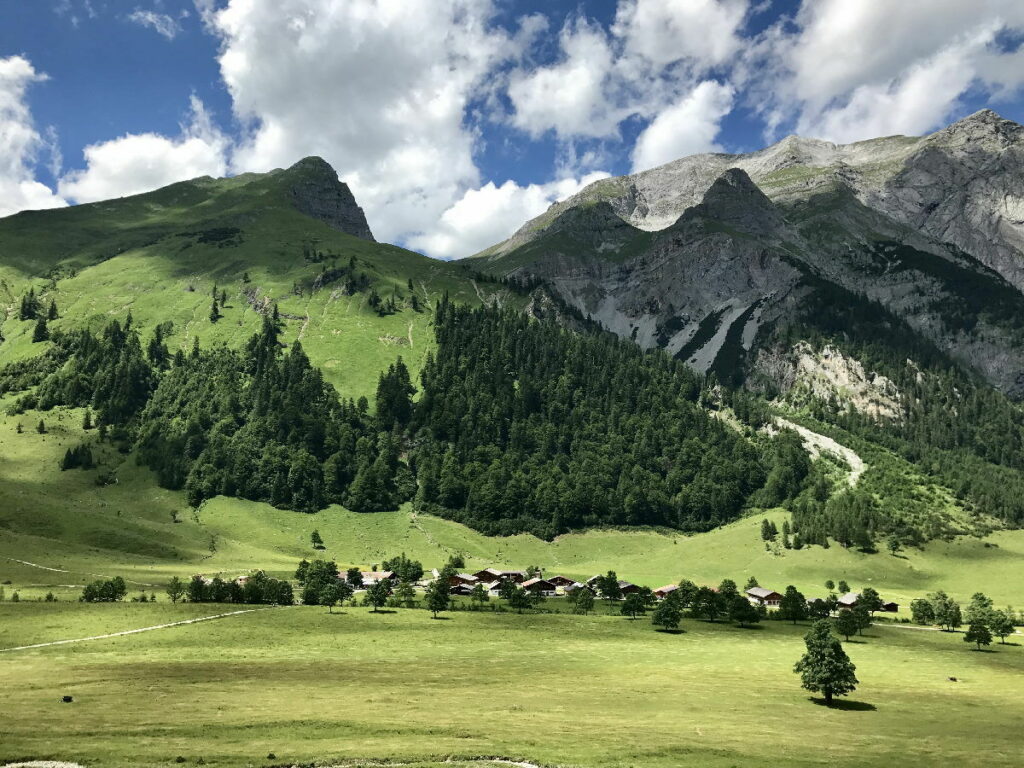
x=315, y=190
x=706, y=255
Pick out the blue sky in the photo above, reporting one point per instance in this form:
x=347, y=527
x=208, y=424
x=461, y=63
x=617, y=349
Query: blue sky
x=454, y=121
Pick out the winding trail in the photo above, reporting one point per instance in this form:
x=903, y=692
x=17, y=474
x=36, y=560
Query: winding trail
x=84, y=573
x=132, y=631
x=816, y=444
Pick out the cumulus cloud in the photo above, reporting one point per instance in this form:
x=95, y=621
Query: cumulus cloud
x=137, y=163
x=485, y=216
x=570, y=96
x=381, y=90
x=21, y=142
x=664, y=32
x=161, y=23
x=850, y=71
x=687, y=127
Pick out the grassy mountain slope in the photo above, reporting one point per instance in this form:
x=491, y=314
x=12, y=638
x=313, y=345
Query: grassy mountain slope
x=158, y=256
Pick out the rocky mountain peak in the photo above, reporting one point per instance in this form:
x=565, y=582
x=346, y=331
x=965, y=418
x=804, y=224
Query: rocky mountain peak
x=983, y=126
x=316, y=191
x=734, y=199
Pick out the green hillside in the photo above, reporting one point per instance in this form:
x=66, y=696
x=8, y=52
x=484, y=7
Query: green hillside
x=159, y=255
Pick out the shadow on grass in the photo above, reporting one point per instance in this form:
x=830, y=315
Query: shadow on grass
x=383, y=611
x=756, y=627
x=671, y=631
x=845, y=705
x=441, y=618
x=984, y=650
x=337, y=613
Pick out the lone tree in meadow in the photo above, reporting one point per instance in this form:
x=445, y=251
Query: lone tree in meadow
x=1001, y=625
x=633, y=605
x=316, y=539
x=175, y=589
x=979, y=634
x=437, y=597
x=668, y=613
x=870, y=599
x=825, y=668
x=378, y=594
x=793, y=605
x=328, y=596
x=847, y=624
x=742, y=612
x=582, y=601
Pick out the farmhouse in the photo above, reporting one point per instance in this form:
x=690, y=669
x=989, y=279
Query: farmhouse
x=372, y=577
x=766, y=597
x=662, y=592
x=628, y=588
x=849, y=600
x=543, y=586
x=460, y=589
x=462, y=579
x=890, y=607
x=577, y=586
x=561, y=581
x=487, y=575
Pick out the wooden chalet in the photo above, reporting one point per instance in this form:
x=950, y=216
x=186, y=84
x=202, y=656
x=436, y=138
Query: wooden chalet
x=890, y=607
x=488, y=575
x=561, y=581
x=849, y=600
x=662, y=592
x=543, y=586
x=769, y=598
x=628, y=588
x=466, y=579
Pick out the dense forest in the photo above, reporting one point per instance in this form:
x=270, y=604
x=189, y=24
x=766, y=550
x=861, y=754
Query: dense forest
x=522, y=425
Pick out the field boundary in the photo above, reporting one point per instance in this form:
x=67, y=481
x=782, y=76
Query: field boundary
x=131, y=631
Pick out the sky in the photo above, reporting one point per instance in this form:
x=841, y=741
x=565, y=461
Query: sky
x=455, y=121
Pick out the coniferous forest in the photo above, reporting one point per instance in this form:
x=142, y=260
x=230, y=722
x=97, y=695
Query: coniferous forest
x=520, y=425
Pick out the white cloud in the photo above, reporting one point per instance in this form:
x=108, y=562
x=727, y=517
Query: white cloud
x=685, y=128
x=137, y=163
x=569, y=97
x=852, y=71
x=163, y=24
x=485, y=216
x=667, y=31
x=379, y=89
x=21, y=141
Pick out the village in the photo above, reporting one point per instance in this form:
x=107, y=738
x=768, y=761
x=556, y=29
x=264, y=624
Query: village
x=532, y=581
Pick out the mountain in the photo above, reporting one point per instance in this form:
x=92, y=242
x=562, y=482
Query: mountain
x=712, y=256
x=293, y=237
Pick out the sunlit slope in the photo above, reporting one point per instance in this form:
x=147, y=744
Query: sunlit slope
x=159, y=256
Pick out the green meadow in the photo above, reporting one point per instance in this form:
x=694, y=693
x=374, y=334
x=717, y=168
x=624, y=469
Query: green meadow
x=145, y=534
x=304, y=685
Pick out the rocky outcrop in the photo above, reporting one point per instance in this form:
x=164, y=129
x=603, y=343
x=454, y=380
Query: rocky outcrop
x=699, y=255
x=315, y=190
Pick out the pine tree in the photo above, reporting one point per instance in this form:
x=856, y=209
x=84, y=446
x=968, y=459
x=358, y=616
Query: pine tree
x=87, y=420
x=51, y=312
x=825, y=667
x=214, y=311
x=41, y=332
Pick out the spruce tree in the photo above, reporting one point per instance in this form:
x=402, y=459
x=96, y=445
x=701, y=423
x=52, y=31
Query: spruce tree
x=40, y=332
x=825, y=667
x=51, y=312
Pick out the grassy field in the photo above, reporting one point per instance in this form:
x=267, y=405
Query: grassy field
x=557, y=690
x=64, y=521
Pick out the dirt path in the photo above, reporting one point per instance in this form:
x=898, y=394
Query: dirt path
x=816, y=444
x=133, y=631
x=84, y=573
